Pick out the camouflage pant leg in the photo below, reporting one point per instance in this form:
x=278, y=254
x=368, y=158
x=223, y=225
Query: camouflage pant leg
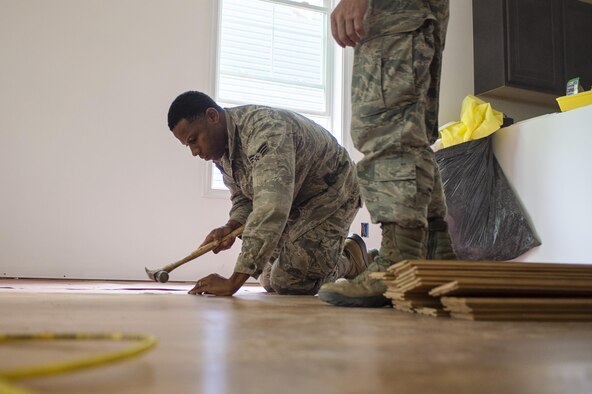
x=316, y=257
x=440, y=9
x=437, y=207
x=389, y=102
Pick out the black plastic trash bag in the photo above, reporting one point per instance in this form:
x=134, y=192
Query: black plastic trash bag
x=485, y=219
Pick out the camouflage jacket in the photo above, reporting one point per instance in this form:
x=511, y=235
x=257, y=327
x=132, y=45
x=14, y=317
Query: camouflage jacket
x=286, y=174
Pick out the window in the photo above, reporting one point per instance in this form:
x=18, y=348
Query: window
x=278, y=53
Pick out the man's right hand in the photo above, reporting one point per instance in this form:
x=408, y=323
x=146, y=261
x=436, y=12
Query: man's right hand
x=217, y=234
x=347, y=22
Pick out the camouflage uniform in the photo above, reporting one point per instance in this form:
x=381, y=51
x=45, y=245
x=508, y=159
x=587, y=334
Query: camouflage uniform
x=395, y=90
x=395, y=109
x=296, y=190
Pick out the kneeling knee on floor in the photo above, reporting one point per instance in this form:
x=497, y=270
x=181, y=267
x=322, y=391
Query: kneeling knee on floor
x=290, y=287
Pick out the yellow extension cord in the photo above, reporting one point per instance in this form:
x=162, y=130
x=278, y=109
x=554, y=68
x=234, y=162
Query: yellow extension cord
x=7, y=377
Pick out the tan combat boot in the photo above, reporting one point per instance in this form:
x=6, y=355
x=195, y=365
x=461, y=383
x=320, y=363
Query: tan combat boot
x=397, y=244
x=439, y=244
x=355, y=251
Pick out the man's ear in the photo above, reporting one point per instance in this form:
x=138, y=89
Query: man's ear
x=212, y=115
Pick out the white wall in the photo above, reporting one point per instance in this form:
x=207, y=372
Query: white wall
x=92, y=183
x=548, y=164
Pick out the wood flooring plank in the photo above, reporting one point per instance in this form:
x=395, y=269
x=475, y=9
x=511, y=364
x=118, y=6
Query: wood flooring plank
x=476, y=287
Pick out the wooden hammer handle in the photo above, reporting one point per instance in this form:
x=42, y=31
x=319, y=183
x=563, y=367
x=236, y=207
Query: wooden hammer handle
x=202, y=250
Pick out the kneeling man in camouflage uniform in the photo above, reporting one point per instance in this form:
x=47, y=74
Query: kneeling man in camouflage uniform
x=292, y=185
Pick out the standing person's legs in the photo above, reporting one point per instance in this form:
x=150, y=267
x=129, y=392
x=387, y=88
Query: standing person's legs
x=397, y=173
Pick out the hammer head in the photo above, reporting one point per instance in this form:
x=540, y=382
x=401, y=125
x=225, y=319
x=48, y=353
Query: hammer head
x=158, y=275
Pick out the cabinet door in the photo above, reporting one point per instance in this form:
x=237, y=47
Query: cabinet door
x=577, y=26
x=535, y=45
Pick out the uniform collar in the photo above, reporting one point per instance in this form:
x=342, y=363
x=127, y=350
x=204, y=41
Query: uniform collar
x=232, y=131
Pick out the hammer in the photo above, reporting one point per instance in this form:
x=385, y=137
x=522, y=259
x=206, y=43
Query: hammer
x=162, y=275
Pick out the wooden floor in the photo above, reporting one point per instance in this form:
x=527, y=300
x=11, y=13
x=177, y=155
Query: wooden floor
x=262, y=343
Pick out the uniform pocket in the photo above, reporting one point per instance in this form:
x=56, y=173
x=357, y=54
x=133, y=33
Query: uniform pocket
x=367, y=81
x=394, y=169
x=395, y=177
x=383, y=75
x=397, y=70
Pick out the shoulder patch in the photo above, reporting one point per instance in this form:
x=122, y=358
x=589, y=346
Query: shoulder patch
x=260, y=153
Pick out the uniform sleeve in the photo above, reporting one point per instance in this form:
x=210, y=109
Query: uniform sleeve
x=241, y=205
x=271, y=153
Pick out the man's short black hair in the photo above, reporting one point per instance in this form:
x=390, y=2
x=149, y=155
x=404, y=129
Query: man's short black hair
x=190, y=105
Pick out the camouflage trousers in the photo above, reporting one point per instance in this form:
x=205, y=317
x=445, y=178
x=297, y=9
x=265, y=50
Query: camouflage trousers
x=394, y=112
x=304, y=264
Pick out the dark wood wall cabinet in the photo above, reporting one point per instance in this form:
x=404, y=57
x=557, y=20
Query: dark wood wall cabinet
x=527, y=50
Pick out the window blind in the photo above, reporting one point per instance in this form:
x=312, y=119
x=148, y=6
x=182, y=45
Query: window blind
x=273, y=53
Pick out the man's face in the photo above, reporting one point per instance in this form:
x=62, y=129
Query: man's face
x=205, y=136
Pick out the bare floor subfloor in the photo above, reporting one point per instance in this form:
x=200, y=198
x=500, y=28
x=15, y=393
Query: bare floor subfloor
x=261, y=343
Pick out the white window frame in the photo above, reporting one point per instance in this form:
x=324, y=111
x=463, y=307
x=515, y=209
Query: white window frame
x=334, y=78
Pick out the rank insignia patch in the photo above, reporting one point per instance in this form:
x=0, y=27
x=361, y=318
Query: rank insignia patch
x=260, y=153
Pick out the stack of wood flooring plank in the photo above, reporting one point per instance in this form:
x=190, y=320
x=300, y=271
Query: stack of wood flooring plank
x=491, y=290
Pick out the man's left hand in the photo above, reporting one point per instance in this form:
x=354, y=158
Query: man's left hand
x=218, y=285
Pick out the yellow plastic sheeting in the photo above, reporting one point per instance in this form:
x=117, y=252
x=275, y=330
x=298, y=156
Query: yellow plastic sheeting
x=478, y=120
